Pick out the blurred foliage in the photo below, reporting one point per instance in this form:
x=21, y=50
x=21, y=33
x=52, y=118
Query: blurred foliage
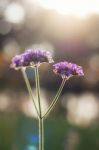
x=17, y=132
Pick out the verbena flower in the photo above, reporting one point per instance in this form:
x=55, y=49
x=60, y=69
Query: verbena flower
x=31, y=58
x=66, y=69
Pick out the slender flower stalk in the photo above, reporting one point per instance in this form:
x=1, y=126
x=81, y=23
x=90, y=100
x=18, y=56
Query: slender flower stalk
x=41, y=133
x=38, y=89
x=29, y=89
x=55, y=99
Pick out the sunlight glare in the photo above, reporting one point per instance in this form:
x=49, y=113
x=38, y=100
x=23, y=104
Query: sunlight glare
x=71, y=7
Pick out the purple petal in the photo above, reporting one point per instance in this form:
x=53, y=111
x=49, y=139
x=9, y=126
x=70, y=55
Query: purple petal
x=66, y=69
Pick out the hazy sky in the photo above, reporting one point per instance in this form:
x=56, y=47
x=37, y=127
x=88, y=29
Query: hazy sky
x=75, y=7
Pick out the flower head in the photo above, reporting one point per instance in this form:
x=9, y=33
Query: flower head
x=16, y=61
x=31, y=58
x=66, y=69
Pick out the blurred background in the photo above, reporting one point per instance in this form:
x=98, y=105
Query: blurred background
x=69, y=29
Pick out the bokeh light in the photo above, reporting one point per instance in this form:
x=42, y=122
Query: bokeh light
x=31, y=148
x=28, y=108
x=5, y=102
x=82, y=110
x=14, y=13
x=44, y=45
x=11, y=48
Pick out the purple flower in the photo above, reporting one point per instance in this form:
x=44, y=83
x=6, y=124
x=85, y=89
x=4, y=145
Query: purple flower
x=31, y=58
x=16, y=61
x=66, y=69
x=38, y=56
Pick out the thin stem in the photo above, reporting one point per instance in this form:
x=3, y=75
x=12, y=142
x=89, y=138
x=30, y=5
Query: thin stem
x=29, y=88
x=55, y=99
x=41, y=134
x=38, y=89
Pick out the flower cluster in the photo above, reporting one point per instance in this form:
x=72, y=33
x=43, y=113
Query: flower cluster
x=31, y=58
x=66, y=69
x=37, y=56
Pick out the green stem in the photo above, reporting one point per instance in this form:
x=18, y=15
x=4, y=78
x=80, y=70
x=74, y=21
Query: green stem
x=41, y=134
x=29, y=88
x=38, y=89
x=55, y=99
